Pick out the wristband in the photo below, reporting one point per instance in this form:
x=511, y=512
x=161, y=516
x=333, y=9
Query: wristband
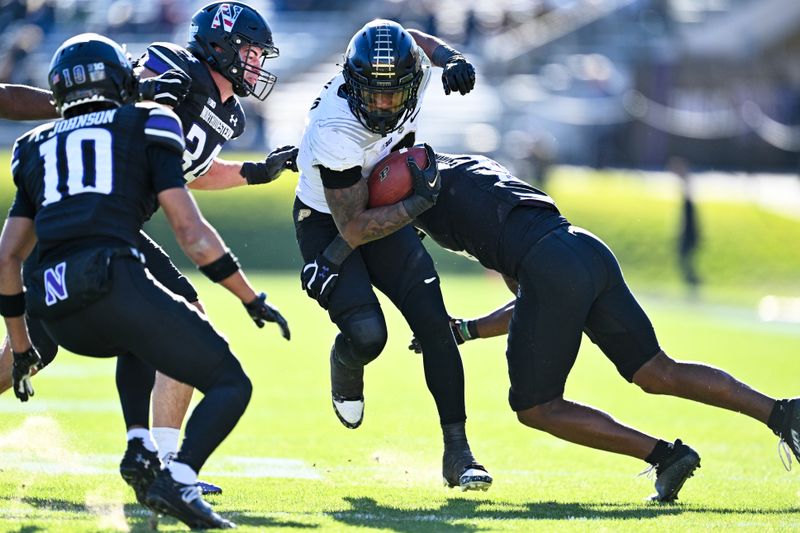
x=443, y=54
x=337, y=251
x=468, y=330
x=221, y=268
x=12, y=306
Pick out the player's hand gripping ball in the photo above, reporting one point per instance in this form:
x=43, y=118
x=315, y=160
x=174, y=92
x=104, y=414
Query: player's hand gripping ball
x=390, y=180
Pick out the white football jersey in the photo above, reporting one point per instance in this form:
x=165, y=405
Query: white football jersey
x=334, y=138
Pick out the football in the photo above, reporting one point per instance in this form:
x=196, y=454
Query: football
x=390, y=180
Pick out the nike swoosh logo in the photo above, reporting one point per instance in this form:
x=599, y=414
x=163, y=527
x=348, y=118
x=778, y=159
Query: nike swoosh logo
x=432, y=184
x=430, y=280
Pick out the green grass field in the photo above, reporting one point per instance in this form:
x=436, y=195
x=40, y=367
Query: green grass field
x=59, y=452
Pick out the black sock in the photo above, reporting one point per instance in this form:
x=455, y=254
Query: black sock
x=777, y=415
x=455, y=435
x=660, y=452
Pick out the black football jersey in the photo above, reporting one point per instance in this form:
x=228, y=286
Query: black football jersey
x=208, y=122
x=476, y=198
x=88, y=181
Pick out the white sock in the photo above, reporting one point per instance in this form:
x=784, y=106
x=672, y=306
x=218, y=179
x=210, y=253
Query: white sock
x=182, y=473
x=144, y=434
x=166, y=440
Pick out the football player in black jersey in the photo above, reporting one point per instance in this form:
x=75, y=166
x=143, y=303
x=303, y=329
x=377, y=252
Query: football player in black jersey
x=224, y=60
x=85, y=185
x=566, y=282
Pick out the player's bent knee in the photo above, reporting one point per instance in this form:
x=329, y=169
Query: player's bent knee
x=655, y=376
x=540, y=416
x=366, y=335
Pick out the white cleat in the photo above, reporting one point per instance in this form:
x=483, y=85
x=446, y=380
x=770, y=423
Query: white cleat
x=349, y=412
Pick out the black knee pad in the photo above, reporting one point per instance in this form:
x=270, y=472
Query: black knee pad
x=363, y=336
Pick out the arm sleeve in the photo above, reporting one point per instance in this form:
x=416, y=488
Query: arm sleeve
x=339, y=179
x=166, y=168
x=163, y=128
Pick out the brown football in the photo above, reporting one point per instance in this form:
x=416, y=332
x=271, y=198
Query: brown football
x=390, y=180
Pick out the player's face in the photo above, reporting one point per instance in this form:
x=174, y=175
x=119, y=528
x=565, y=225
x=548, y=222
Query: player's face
x=390, y=101
x=253, y=58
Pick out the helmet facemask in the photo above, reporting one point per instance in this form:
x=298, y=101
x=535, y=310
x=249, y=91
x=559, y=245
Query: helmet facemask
x=249, y=79
x=382, y=106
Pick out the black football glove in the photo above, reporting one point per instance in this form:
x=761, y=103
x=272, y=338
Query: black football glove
x=458, y=75
x=427, y=184
x=25, y=364
x=260, y=311
x=318, y=279
x=169, y=88
x=455, y=327
x=278, y=160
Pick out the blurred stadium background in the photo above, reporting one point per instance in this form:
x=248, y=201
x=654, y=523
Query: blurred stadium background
x=590, y=99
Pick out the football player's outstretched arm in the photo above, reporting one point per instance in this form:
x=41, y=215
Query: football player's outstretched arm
x=224, y=174
x=201, y=243
x=22, y=102
x=458, y=74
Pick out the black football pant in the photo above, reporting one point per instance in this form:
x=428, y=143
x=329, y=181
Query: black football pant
x=164, y=332
x=134, y=377
x=399, y=267
x=570, y=283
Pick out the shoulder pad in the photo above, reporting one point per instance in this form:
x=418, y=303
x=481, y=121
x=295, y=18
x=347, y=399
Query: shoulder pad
x=161, y=57
x=335, y=148
x=162, y=127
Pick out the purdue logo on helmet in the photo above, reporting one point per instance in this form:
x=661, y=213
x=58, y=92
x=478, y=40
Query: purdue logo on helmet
x=224, y=34
x=382, y=73
x=90, y=68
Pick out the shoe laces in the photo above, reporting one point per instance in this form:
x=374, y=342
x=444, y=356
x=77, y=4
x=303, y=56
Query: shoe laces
x=168, y=458
x=649, y=473
x=785, y=453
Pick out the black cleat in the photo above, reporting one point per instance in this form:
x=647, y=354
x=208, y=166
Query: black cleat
x=139, y=468
x=206, y=488
x=790, y=431
x=673, y=472
x=460, y=469
x=347, y=392
x=184, y=502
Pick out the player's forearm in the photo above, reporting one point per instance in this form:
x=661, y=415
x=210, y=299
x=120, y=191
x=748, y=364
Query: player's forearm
x=18, y=334
x=428, y=43
x=495, y=323
x=358, y=225
x=22, y=102
x=222, y=174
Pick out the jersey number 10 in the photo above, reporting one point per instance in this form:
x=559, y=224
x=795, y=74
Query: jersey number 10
x=88, y=164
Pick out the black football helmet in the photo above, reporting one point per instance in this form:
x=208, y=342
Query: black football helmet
x=217, y=35
x=90, y=68
x=382, y=73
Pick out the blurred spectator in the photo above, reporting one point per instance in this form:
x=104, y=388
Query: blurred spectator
x=689, y=233
x=23, y=41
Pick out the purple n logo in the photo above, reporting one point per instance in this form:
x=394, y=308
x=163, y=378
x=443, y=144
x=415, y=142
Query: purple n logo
x=55, y=284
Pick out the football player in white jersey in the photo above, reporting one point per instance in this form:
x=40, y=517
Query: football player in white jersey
x=362, y=114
